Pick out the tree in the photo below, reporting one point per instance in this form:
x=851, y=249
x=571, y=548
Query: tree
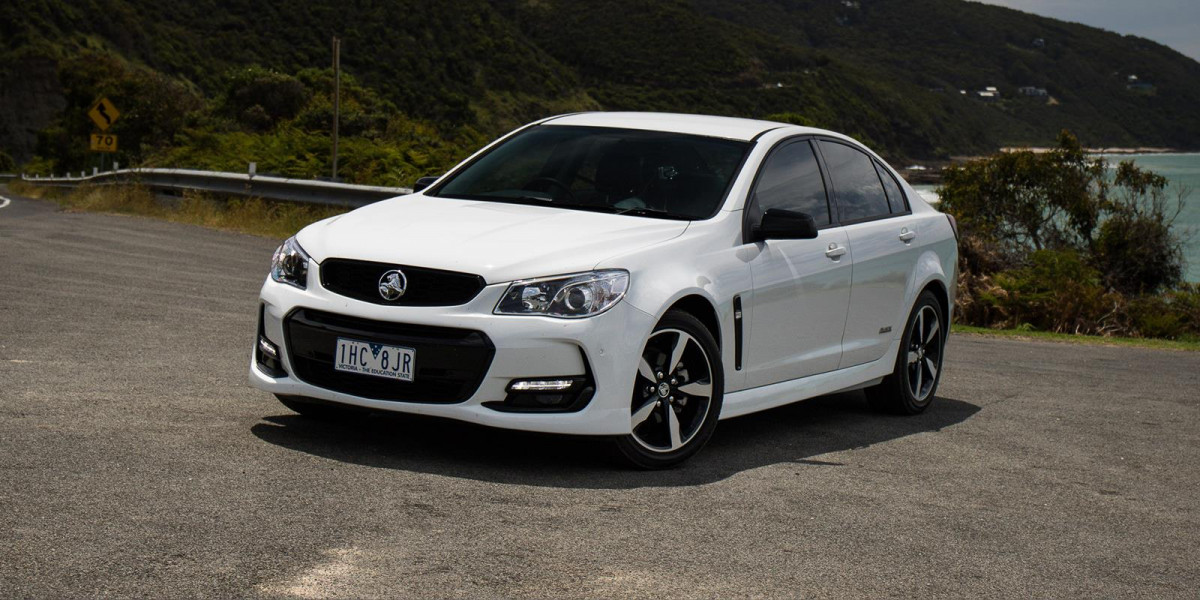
x=259, y=98
x=1135, y=245
x=1014, y=204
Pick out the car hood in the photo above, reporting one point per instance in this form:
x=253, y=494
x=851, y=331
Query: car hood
x=499, y=241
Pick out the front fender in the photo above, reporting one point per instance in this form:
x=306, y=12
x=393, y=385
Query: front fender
x=693, y=265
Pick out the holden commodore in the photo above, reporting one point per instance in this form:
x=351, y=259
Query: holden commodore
x=632, y=275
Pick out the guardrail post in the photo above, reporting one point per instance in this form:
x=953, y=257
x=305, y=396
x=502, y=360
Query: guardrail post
x=116, y=166
x=95, y=171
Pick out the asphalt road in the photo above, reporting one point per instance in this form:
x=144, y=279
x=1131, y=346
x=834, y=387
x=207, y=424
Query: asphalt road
x=135, y=460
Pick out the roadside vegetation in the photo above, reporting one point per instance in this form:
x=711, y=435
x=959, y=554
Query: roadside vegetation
x=279, y=121
x=244, y=215
x=1060, y=242
x=1190, y=345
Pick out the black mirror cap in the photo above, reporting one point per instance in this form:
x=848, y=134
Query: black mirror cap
x=782, y=224
x=424, y=182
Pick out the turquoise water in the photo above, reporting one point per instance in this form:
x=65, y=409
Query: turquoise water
x=1183, y=171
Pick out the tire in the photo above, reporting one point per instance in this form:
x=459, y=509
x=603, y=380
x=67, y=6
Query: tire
x=911, y=387
x=674, y=416
x=316, y=409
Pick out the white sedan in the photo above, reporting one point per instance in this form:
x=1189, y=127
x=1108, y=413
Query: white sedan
x=633, y=275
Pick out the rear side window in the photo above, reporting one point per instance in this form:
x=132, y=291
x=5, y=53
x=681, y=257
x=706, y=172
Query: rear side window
x=894, y=195
x=860, y=195
x=791, y=179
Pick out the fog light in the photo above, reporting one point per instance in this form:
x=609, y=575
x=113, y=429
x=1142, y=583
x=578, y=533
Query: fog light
x=547, y=394
x=267, y=356
x=541, y=385
x=267, y=348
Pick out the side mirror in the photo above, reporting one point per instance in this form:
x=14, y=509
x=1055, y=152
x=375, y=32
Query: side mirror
x=781, y=224
x=424, y=182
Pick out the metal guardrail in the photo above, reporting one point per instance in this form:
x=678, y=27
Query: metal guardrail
x=235, y=184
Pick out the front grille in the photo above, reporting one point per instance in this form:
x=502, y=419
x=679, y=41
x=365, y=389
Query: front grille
x=359, y=279
x=450, y=363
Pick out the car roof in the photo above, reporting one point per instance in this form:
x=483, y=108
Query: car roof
x=723, y=127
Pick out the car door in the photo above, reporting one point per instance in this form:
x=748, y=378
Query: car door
x=801, y=287
x=881, y=231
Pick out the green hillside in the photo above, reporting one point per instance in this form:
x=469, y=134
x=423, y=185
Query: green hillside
x=216, y=83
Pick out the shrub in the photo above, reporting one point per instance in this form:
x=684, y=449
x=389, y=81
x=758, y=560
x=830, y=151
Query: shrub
x=1019, y=202
x=1054, y=242
x=1136, y=246
x=1152, y=317
x=1057, y=292
x=259, y=98
x=1138, y=253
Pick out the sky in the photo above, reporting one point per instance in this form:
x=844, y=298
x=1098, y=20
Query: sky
x=1175, y=23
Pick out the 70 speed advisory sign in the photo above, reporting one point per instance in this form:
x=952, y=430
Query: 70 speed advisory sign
x=104, y=142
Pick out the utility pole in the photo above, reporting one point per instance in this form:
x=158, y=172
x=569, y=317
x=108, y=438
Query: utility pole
x=337, y=99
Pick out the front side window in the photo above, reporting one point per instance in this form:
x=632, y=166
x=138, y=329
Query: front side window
x=859, y=192
x=791, y=179
x=643, y=173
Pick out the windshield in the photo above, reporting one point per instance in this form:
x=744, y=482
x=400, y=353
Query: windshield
x=623, y=171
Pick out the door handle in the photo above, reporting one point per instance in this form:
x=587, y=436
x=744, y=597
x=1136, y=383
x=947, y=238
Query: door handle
x=906, y=235
x=835, y=251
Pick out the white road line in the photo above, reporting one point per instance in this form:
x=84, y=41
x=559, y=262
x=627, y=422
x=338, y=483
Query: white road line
x=4, y=201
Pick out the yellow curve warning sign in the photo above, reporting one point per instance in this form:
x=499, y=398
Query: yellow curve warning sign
x=104, y=114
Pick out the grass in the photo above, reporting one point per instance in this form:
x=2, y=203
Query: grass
x=245, y=215
x=1192, y=345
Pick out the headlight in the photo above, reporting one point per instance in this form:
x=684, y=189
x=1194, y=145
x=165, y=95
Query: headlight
x=566, y=296
x=290, y=264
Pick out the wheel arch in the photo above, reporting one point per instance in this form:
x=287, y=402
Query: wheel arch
x=930, y=274
x=943, y=297
x=702, y=308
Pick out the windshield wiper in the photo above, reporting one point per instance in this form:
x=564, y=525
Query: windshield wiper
x=637, y=211
x=519, y=198
x=645, y=211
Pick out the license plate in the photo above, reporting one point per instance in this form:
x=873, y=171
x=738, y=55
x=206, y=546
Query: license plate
x=379, y=360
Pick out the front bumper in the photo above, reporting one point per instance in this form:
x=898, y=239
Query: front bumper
x=607, y=345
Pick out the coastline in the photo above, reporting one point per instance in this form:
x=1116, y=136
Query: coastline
x=1113, y=150
x=930, y=172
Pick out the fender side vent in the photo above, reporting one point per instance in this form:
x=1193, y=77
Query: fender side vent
x=737, y=333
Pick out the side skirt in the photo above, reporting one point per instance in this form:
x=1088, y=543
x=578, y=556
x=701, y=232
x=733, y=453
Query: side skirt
x=753, y=400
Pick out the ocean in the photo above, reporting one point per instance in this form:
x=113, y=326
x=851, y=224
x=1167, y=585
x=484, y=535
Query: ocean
x=1183, y=173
